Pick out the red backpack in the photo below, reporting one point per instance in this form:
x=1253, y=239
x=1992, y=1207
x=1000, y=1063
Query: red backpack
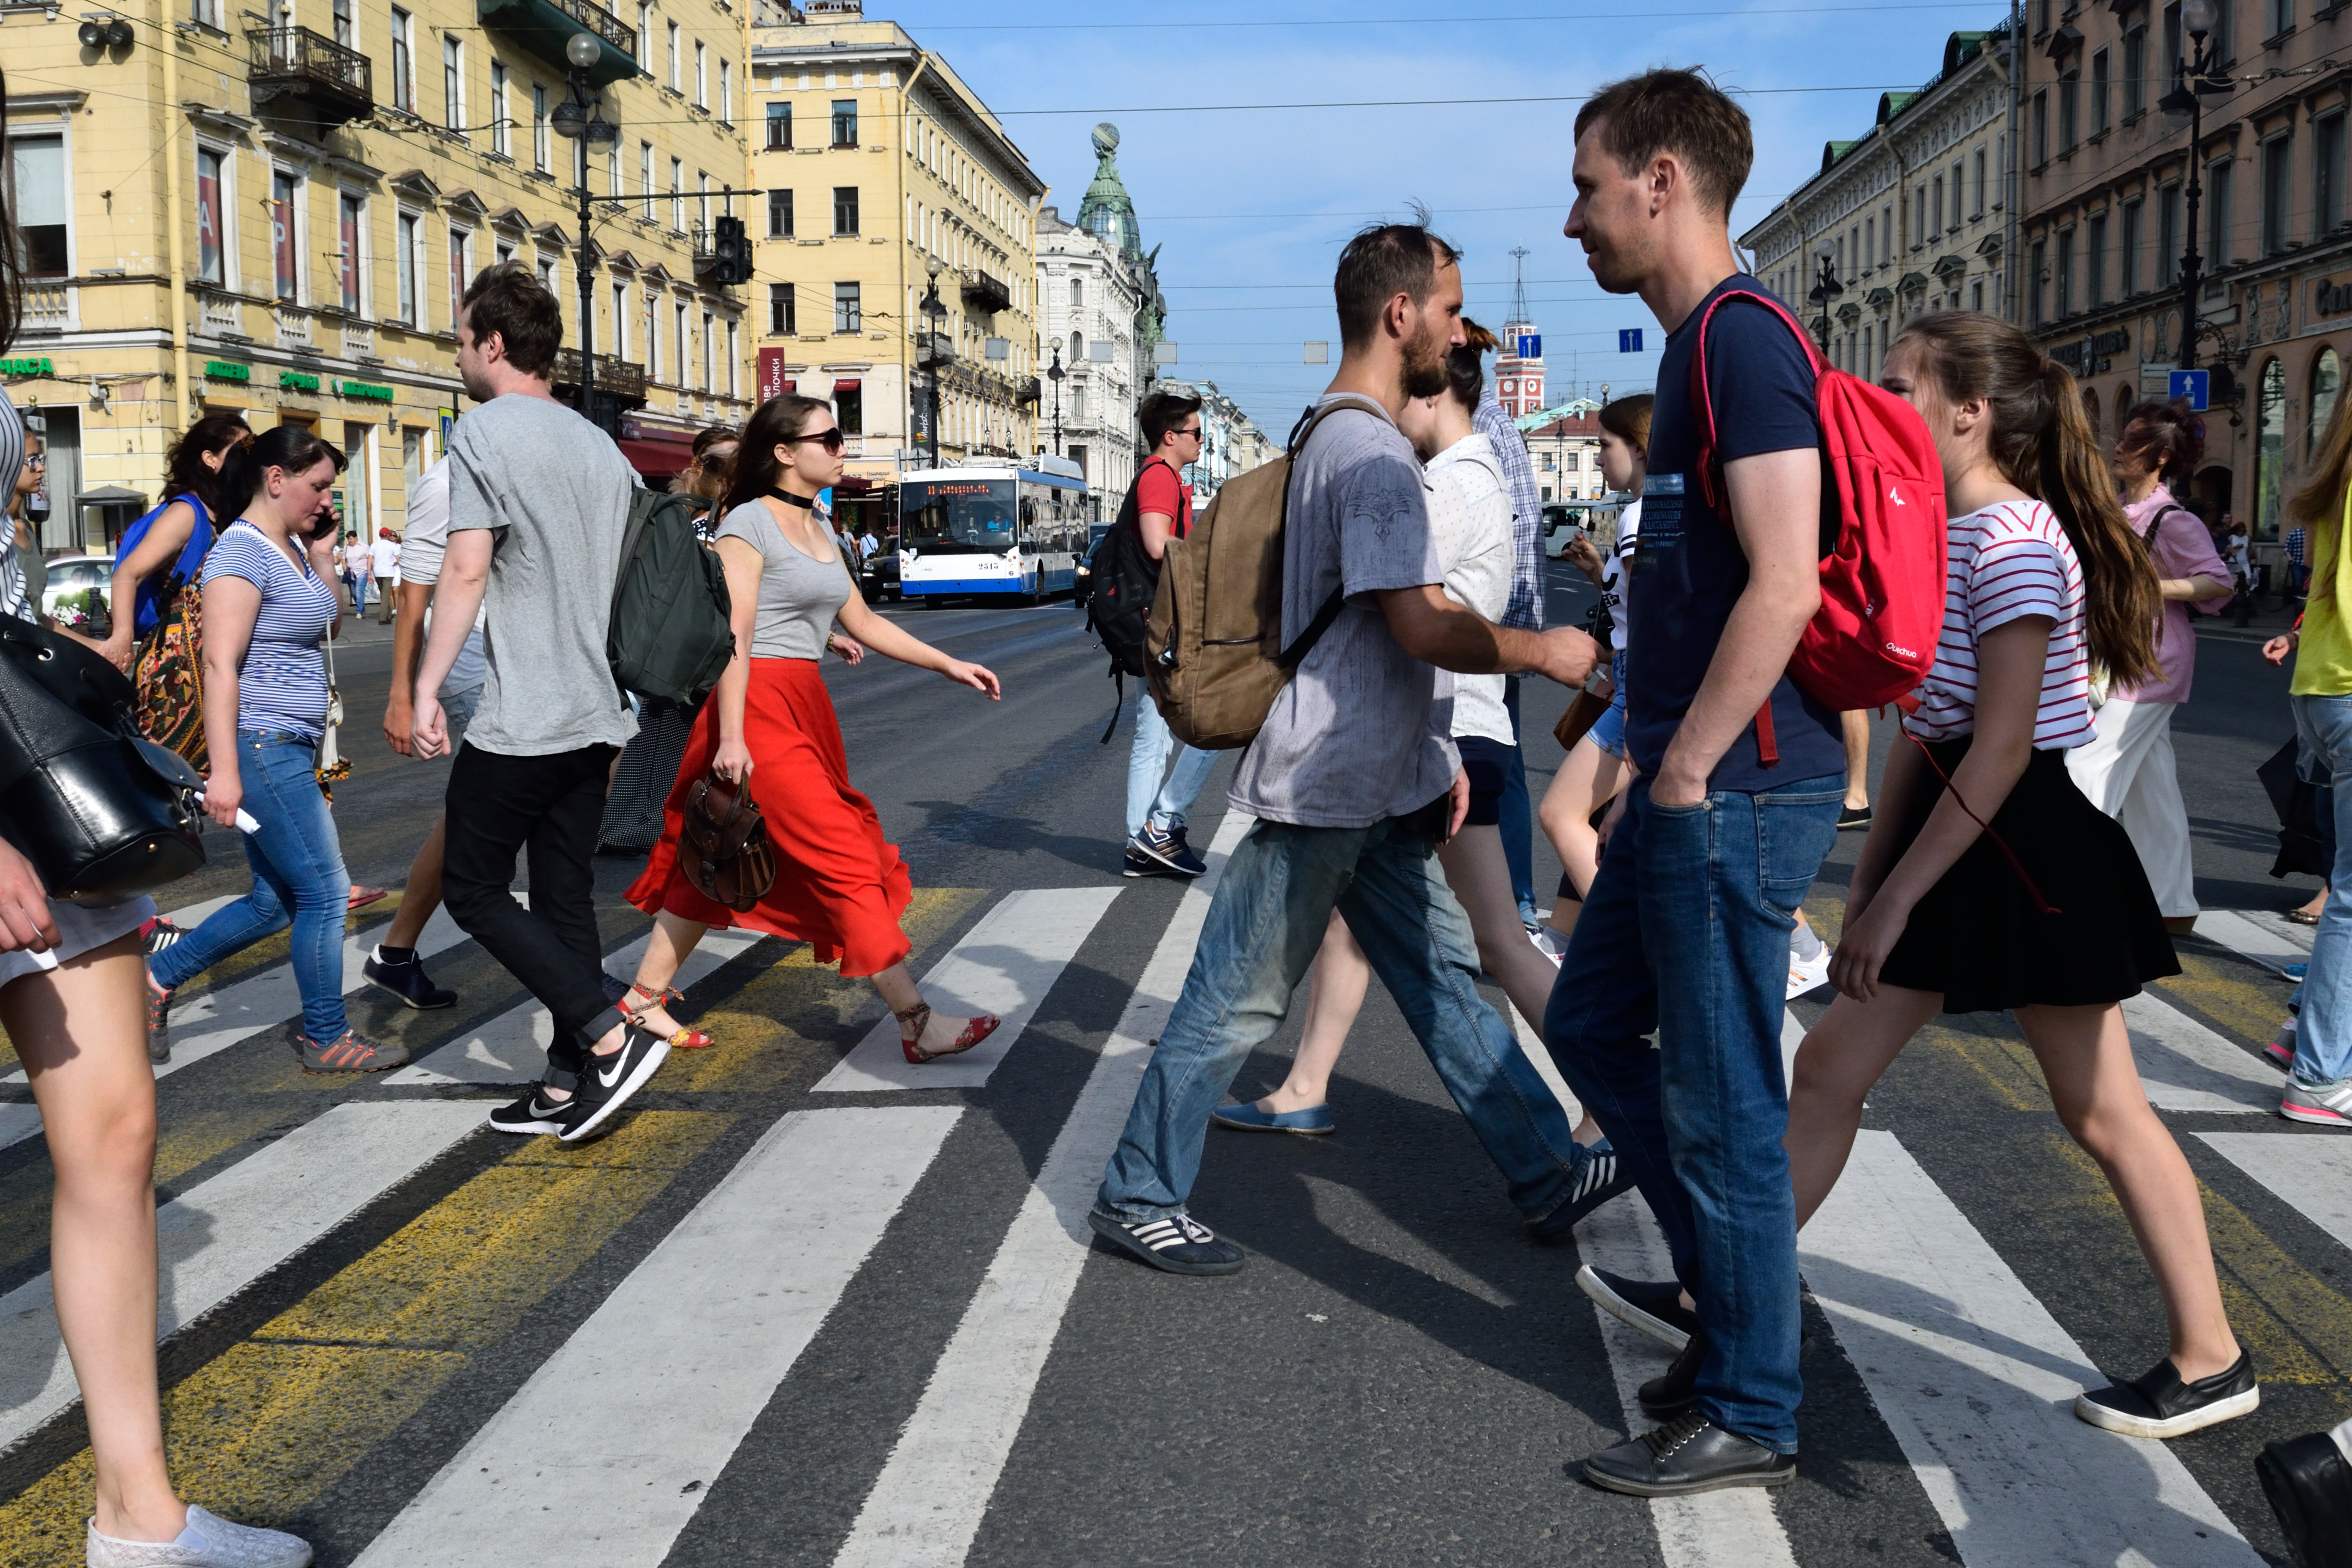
x=1873, y=639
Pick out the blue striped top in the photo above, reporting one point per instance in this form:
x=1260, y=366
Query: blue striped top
x=281, y=682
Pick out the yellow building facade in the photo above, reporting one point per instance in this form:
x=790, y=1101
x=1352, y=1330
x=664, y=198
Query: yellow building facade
x=277, y=215
x=886, y=181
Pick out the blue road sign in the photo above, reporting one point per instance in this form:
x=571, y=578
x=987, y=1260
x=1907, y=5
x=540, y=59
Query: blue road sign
x=2190, y=385
x=1629, y=340
x=1531, y=345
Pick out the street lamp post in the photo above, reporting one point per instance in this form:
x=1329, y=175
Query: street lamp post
x=934, y=314
x=1826, y=288
x=1055, y=373
x=581, y=119
x=2197, y=77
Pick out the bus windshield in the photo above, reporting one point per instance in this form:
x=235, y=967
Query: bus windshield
x=952, y=515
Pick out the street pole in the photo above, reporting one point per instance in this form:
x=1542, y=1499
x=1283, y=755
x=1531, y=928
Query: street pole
x=1054, y=375
x=2188, y=99
x=581, y=123
x=587, y=288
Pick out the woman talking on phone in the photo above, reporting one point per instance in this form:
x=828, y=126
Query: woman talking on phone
x=839, y=886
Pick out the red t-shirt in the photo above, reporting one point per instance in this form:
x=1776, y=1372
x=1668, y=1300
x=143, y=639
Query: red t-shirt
x=1158, y=488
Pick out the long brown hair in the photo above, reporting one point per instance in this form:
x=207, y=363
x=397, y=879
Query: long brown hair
x=2043, y=444
x=777, y=421
x=2318, y=504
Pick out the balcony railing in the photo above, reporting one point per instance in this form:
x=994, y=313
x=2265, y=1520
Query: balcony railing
x=331, y=80
x=293, y=327
x=48, y=307
x=545, y=27
x=614, y=378
x=220, y=315
x=985, y=294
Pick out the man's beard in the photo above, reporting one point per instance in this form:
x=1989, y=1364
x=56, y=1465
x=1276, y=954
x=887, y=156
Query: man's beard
x=1424, y=368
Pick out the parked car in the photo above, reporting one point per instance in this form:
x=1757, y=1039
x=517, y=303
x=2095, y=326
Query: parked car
x=73, y=576
x=1082, y=585
x=878, y=578
x=1560, y=524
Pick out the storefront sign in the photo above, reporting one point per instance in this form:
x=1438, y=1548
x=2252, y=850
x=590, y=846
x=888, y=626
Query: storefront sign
x=25, y=367
x=2329, y=299
x=773, y=383
x=296, y=381
x=222, y=370
x=365, y=392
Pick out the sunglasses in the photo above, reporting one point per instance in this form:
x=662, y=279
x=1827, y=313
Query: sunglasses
x=833, y=439
x=1195, y=432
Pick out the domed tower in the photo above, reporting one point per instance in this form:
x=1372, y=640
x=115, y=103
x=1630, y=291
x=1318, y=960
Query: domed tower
x=1106, y=212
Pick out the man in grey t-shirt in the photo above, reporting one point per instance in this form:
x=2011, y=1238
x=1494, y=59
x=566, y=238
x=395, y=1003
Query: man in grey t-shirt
x=538, y=501
x=1354, y=786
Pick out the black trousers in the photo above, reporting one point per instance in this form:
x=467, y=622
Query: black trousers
x=549, y=806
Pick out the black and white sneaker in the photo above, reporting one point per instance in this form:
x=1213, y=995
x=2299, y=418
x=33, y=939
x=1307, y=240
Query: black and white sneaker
x=1601, y=1178
x=607, y=1082
x=1136, y=863
x=2158, y=1404
x=534, y=1114
x=1167, y=846
x=1654, y=1307
x=1178, y=1244
x=157, y=934
x=1689, y=1454
x=405, y=978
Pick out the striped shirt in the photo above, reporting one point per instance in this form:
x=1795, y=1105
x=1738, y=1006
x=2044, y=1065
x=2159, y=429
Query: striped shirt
x=1526, y=609
x=281, y=681
x=2006, y=561
x=11, y=570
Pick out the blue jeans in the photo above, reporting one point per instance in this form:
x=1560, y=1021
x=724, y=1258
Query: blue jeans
x=1265, y=924
x=2323, y=1032
x=1685, y=930
x=1518, y=824
x=1149, y=800
x=297, y=879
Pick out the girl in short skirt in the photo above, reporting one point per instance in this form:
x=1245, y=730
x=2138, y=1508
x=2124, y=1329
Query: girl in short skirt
x=2049, y=914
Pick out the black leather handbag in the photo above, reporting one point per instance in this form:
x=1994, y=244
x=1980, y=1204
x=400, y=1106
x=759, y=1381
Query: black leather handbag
x=101, y=814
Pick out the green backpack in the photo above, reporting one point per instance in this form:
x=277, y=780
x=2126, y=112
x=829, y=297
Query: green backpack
x=670, y=634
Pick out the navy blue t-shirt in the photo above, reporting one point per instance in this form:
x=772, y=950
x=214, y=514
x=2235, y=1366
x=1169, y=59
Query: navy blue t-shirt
x=1688, y=568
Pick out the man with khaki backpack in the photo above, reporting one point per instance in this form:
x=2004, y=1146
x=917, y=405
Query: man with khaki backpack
x=1352, y=780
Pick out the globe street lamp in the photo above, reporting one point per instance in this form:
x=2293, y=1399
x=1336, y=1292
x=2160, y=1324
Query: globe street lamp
x=1055, y=373
x=2197, y=77
x=580, y=119
x=1826, y=288
x=934, y=316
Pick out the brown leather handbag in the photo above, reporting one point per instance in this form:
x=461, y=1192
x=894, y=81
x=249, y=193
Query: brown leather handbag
x=723, y=846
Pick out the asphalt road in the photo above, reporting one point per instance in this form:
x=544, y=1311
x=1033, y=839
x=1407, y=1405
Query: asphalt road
x=810, y=1307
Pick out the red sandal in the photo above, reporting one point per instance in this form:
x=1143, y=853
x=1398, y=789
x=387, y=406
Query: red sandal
x=685, y=1039
x=974, y=1031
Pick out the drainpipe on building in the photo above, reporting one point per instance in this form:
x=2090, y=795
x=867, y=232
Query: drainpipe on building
x=2009, y=257
x=173, y=115
x=905, y=369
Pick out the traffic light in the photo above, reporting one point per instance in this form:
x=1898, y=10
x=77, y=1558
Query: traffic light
x=732, y=248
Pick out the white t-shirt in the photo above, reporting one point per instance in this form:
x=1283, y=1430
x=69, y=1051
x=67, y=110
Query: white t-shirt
x=1470, y=522
x=1613, y=575
x=358, y=559
x=387, y=557
x=2006, y=561
x=420, y=562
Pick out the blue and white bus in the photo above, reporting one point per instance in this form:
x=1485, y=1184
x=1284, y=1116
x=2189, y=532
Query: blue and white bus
x=998, y=530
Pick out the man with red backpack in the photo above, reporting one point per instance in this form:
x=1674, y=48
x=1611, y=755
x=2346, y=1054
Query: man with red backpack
x=1740, y=778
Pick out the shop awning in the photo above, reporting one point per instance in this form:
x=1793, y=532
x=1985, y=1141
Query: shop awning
x=657, y=459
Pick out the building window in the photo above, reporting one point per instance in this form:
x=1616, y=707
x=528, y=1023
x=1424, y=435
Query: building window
x=542, y=152
x=2070, y=111
x=205, y=13
x=780, y=214
x=404, y=61
x=2167, y=236
x=2172, y=41
x=1978, y=210
x=1869, y=248
x=653, y=338
x=461, y=243
x=844, y=122
x=2278, y=165
x=2218, y=236
x=1954, y=224
x=453, y=85
x=726, y=92
x=2326, y=378
x=1077, y=294
x=621, y=321
x=2327, y=176
x=2282, y=18
x=677, y=65
x=2270, y=450
x=701, y=75
x=646, y=35
x=708, y=382
x=2095, y=263
x=285, y=248
x=2036, y=315
x=2128, y=282
x=212, y=206
x=2066, y=279
x=408, y=240
x=844, y=212
x=846, y=316
x=780, y=127
x=678, y=194
x=2099, y=93
x=646, y=176
x=350, y=236
x=783, y=321
x=2134, y=72
x=2040, y=128
x=681, y=341
x=734, y=358
x=502, y=134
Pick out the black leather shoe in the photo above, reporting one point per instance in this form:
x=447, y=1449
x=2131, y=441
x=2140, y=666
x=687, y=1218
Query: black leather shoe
x=1654, y=1307
x=2309, y=1483
x=1669, y=1394
x=1689, y=1454
x=2158, y=1404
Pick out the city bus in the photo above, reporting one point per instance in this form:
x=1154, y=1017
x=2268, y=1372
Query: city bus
x=997, y=530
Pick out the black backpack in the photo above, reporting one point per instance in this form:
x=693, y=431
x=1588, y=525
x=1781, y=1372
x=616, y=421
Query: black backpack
x=670, y=634
x=1125, y=579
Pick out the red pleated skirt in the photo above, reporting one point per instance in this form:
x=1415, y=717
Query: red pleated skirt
x=840, y=886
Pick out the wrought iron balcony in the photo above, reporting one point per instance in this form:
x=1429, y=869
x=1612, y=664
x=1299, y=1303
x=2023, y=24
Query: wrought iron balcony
x=545, y=27
x=617, y=379
x=985, y=294
x=330, y=82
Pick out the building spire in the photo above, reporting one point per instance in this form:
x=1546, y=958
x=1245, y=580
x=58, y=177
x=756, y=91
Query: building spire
x=1519, y=286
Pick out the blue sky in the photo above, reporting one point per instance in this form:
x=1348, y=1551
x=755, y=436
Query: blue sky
x=1251, y=207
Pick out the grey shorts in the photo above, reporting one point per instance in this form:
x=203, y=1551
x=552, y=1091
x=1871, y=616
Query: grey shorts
x=458, y=708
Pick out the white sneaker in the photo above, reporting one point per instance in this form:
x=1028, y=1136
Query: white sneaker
x=218, y=1544
x=1808, y=973
x=1547, y=942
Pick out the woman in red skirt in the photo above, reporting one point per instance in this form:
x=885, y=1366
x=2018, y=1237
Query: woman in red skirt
x=839, y=887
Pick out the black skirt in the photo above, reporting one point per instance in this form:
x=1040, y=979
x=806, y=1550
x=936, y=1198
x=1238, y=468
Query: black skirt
x=1980, y=938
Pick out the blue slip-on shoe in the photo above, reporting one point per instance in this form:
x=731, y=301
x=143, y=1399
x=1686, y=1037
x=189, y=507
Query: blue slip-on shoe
x=1314, y=1121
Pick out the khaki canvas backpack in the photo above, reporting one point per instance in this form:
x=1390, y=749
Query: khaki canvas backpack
x=1212, y=646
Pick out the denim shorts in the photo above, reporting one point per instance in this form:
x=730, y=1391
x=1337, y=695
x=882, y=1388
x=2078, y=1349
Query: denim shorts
x=1608, y=731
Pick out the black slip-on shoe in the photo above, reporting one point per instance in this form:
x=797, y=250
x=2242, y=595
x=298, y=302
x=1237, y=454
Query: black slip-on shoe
x=405, y=978
x=1601, y=1178
x=1673, y=1390
x=1851, y=817
x=1178, y=1244
x=607, y=1082
x=1689, y=1454
x=2157, y=1404
x=2309, y=1482
x=1654, y=1307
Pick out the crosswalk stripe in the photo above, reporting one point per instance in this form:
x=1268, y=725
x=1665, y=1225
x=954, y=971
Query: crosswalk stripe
x=1004, y=965
x=513, y=1047
x=2187, y=1066
x=927, y=1504
x=1977, y=1381
x=607, y=1441
x=1712, y=1529
x=2264, y=943
x=2312, y=1172
x=225, y=1232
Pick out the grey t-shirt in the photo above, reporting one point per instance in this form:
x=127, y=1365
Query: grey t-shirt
x=799, y=595
x=556, y=491
x=1349, y=741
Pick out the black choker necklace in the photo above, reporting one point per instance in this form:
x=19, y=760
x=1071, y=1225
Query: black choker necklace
x=803, y=502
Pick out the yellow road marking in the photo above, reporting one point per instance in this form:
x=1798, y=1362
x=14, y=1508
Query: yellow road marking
x=2222, y=993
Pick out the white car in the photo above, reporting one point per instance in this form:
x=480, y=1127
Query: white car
x=70, y=574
